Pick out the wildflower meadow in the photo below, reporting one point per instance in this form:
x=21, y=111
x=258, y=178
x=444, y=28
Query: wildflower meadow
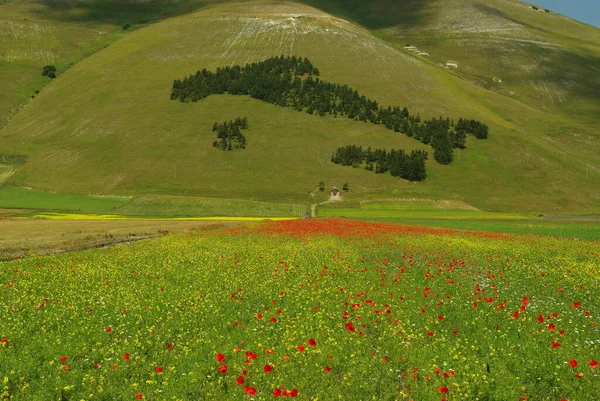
x=311, y=309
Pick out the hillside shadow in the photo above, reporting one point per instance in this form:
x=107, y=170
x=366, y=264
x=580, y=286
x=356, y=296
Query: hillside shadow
x=373, y=14
x=376, y=14
x=120, y=12
x=579, y=73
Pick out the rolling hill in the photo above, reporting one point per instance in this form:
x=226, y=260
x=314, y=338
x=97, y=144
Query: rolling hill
x=107, y=126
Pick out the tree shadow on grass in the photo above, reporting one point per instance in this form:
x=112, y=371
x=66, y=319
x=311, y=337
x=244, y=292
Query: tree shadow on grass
x=373, y=14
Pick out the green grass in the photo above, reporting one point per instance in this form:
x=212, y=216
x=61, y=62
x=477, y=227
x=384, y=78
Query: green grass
x=187, y=206
x=155, y=206
x=420, y=214
x=19, y=198
x=542, y=157
x=585, y=229
x=460, y=216
x=416, y=209
x=31, y=39
x=332, y=309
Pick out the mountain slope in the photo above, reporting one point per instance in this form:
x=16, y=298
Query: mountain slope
x=108, y=126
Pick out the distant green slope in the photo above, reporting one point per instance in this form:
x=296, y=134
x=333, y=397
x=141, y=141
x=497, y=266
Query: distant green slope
x=30, y=39
x=108, y=126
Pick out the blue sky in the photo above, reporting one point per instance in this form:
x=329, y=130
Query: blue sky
x=587, y=11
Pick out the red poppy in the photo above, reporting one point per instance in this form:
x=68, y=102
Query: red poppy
x=240, y=380
x=430, y=334
x=268, y=368
x=312, y=342
x=65, y=367
x=576, y=304
x=4, y=340
x=139, y=396
x=277, y=392
x=108, y=329
x=63, y=358
x=555, y=344
x=443, y=389
x=294, y=393
x=273, y=320
x=540, y=318
x=327, y=369
x=350, y=327
x=220, y=357
x=126, y=357
x=440, y=317
x=573, y=363
x=250, y=390
x=159, y=369
x=259, y=316
x=96, y=366
x=301, y=348
x=579, y=375
x=551, y=327
x=223, y=369
x=593, y=364
x=269, y=351
x=169, y=346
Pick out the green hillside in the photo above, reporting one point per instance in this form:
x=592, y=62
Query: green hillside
x=107, y=126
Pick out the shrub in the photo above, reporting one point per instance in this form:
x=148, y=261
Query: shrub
x=49, y=71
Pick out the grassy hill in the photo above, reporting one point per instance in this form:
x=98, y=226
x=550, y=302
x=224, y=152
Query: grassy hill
x=107, y=126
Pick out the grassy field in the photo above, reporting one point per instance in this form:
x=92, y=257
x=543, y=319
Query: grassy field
x=326, y=309
x=461, y=216
x=189, y=206
x=136, y=142
x=27, y=237
x=417, y=209
x=155, y=206
x=16, y=198
x=544, y=60
x=31, y=39
x=586, y=229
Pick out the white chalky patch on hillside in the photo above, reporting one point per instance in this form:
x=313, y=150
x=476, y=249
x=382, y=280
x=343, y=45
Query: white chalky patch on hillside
x=18, y=30
x=29, y=53
x=460, y=18
x=249, y=38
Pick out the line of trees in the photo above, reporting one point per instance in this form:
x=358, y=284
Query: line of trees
x=229, y=134
x=410, y=166
x=294, y=82
x=474, y=127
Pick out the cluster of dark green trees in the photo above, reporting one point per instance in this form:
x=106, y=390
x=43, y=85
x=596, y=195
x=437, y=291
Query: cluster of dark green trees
x=49, y=71
x=410, y=166
x=229, y=134
x=293, y=82
x=474, y=127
